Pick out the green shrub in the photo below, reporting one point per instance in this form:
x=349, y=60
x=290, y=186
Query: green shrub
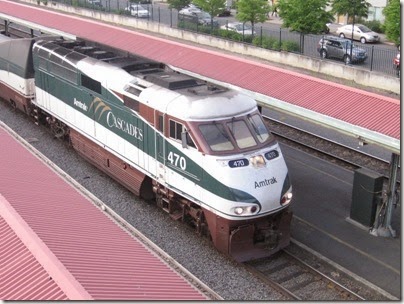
x=265, y=42
x=290, y=46
x=374, y=25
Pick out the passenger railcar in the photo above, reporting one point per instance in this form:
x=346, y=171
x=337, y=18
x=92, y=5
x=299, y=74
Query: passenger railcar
x=200, y=150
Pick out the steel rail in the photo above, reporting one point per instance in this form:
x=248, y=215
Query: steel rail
x=385, y=165
x=265, y=279
x=316, y=276
x=324, y=276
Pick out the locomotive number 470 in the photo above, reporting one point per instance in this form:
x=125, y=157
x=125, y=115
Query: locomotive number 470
x=176, y=160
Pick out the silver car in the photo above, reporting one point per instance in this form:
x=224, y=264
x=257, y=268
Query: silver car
x=239, y=27
x=360, y=33
x=138, y=11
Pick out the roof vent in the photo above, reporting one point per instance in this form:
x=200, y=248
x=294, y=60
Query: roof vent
x=172, y=81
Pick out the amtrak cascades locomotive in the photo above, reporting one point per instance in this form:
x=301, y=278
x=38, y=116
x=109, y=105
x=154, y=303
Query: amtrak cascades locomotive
x=201, y=151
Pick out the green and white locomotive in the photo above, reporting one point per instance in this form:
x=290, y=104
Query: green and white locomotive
x=201, y=151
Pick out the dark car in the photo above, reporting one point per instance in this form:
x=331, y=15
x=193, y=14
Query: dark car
x=340, y=48
x=224, y=13
x=200, y=17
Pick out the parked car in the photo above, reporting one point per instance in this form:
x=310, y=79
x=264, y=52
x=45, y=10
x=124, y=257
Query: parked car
x=94, y=3
x=341, y=48
x=224, y=13
x=190, y=10
x=360, y=33
x=200, y=17
x=239, y=27
x=138, y=11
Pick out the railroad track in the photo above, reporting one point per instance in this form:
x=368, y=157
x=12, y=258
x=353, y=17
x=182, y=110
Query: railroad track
x=296, y=280
x=343, y=155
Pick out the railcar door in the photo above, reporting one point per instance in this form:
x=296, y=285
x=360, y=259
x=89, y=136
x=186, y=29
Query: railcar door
x=44, y=96
x=160, y=147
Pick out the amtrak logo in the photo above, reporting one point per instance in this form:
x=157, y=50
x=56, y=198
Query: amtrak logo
x=113, y=121
x=265, y=182
x=80, y=104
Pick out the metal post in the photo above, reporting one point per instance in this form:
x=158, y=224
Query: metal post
x=371, y=58
x=383, y=226
x=353, y=24
x=261, y=36
x=395, y=159
x=6, y=28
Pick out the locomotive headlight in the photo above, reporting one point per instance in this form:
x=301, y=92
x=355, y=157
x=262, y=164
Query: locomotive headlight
x=245, y=210
x=238, y=210
x=286, y=198
x=257, y=161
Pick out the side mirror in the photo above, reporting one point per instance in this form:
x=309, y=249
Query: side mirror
x=184, y=139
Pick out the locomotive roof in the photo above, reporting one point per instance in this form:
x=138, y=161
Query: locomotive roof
x=188, y=105
x=170, y=92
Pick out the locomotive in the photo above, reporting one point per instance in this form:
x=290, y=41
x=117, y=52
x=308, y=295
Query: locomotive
x=201, y=151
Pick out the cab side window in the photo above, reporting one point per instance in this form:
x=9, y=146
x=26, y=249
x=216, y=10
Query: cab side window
x=175, y=129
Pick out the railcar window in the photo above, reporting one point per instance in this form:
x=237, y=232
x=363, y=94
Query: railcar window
x=190, y=141
x=216, y=137
x=63, y=72
x=161, y=123
x=175, y=129
x=241, y=134
x=90, y=83
x=259, y=127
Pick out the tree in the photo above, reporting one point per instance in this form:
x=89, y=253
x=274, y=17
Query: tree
x=178, y=4
x=392, y=21
x=213, y=7
x=253, y=11
x=305, y=16
x=352, y=8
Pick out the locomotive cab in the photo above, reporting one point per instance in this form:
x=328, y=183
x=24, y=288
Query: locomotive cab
x=235, y=170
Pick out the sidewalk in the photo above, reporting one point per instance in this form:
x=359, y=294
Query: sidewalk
x=274, y=19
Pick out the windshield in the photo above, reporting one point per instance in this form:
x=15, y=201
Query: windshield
x=216, y=137
x=138, y=7
x=241, y=133
x=258, y=125
x=364, y=29
x=204, y=15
